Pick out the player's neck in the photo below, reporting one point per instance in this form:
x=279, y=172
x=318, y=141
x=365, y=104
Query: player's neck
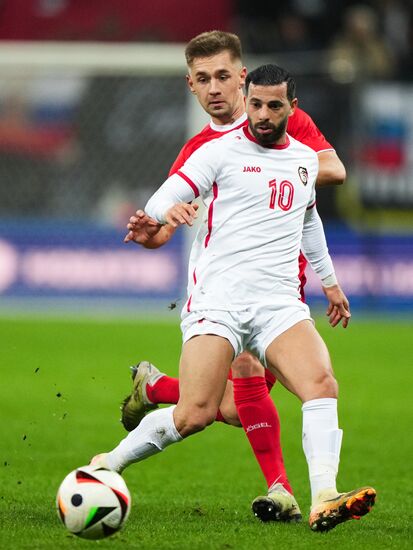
x=227, y=121
x=235, y=123
x=231, y=118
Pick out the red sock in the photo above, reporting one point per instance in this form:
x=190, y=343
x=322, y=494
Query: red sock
x=260, y=421
x=166, y=390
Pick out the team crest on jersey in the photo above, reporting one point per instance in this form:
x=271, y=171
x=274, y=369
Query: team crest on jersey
x=302, y=172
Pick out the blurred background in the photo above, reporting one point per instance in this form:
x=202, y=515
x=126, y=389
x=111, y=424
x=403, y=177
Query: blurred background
x=94, y=109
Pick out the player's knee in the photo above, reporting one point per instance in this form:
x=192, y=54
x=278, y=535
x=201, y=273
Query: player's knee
x=246, y=365
x=321, y=385
x=326, y=384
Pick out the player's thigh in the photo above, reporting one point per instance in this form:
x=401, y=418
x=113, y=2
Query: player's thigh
x=203, y=371
x=246, y=365
x=300, y=360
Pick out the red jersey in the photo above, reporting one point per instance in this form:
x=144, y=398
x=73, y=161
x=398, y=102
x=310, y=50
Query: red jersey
x=300, y=126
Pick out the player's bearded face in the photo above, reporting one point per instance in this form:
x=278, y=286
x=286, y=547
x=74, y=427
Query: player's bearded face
x=266, y=132
x=268, y=109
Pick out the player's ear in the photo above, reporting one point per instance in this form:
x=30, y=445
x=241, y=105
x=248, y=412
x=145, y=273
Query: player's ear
x=190, y=83
x=293, y=106
x=242, y=76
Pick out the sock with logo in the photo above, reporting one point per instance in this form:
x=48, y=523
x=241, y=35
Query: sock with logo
x=261, y=423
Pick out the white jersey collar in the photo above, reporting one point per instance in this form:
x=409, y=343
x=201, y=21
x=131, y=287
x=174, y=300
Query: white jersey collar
x=227, y=127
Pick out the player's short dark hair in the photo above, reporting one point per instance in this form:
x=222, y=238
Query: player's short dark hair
x=271, y=75
x=211, y=43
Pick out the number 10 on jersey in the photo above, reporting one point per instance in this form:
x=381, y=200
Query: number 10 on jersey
x=285, y=194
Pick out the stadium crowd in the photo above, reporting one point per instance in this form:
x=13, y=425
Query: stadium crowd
x=360, y=36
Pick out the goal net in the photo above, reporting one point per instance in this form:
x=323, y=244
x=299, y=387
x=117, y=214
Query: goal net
x=87, y=133
x=87, y=128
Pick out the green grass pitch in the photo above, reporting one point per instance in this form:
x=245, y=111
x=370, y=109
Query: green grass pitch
x=60, y=388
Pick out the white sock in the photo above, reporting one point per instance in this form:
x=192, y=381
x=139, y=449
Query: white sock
x=321, y=443
x=156, y=432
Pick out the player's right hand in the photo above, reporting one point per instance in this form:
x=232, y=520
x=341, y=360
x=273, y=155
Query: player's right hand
x=338, y=309
x=141, y=228
x=181, y=214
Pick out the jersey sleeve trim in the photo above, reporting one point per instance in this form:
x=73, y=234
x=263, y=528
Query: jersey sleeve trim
x=325, y=150
x=211, y=213
x=189, y=182
x=310, y=206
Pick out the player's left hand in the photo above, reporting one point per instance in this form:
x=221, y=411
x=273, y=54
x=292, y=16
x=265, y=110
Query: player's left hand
x=338, y=309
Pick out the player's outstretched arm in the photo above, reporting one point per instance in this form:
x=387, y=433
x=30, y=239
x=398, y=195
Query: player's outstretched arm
x=331, y=170
x=315, y=249
x=144, y=230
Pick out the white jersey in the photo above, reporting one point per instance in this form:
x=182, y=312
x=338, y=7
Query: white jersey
x=255, y=219
x=202, y=231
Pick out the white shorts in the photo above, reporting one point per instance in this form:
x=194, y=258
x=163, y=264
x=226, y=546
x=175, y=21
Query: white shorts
x=253, y=328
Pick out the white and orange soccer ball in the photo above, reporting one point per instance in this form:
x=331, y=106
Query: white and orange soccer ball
x=93, y=502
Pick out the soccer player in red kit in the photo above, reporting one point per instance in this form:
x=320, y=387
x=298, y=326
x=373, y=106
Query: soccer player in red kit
x=216, y=77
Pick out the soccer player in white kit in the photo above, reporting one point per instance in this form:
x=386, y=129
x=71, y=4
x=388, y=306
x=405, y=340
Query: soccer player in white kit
x=245, y=292
x=216, y=76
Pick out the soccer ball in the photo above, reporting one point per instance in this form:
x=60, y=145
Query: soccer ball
x=93, y=502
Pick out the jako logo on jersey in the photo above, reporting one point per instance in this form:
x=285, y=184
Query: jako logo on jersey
x=302, y=172
x=252, y=169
